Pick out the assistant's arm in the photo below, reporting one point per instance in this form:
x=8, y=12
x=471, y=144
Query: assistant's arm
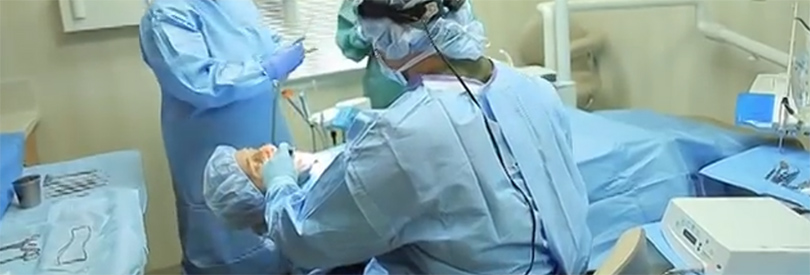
x=348, y=38
x=181, y=56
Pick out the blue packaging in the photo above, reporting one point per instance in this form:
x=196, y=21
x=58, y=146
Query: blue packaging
x=753, y=108
x=12, y=150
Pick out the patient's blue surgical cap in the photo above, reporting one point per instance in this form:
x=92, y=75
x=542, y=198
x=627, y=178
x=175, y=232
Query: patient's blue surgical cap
x=228, y=191
x=458, y=35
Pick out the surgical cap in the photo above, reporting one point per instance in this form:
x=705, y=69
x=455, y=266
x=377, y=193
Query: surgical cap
x=228, y=191
x=458, y=35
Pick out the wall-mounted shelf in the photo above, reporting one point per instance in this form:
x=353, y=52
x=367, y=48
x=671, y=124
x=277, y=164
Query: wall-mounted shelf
x=85, y=15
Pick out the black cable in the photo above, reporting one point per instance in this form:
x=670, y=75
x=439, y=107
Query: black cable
x=494, y=144
x=786, y=105
x=804, y=23
x=312, y=135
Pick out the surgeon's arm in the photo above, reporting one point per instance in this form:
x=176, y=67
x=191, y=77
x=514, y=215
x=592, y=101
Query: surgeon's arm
x=324, y=227
x=348, y=38
x=195, y=77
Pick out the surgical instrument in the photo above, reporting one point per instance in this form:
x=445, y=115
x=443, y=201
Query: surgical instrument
x=304, y=106
x=801, y=187
x=288, y=94
x=28, y=246
x=299, y=40
x=302, y=109
x=73, y=183
x=70, y=175
x=305, y=109
x=74, y=236
x=26, y=256
x=305, y=32
x=687, y=271
x=303, y=37
x=788, y=178
x=321, y=131
x=28, y=190
x=29, y=243
x=275, y=105
x=778, y=172
x=51, y=180
x=783, y=174
x=770, y=174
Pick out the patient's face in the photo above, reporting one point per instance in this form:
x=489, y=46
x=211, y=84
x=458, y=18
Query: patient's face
x=252, y=160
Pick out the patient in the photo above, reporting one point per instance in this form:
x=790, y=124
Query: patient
x=238, y=207
x=251, y=161
x=230, y=164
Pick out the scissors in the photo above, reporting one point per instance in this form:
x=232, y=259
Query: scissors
x=24, y=245
x=29, y=248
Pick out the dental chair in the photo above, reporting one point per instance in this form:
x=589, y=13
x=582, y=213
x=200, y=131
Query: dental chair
x=633, y=255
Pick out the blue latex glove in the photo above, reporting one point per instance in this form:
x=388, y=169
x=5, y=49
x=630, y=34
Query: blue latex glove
x=284, y=61
x=280, y=168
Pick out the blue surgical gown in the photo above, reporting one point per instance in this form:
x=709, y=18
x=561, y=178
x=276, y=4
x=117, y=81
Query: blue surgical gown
x=420, y=190
x=206, y=56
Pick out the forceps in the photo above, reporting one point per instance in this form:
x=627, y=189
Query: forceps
x=25, y=257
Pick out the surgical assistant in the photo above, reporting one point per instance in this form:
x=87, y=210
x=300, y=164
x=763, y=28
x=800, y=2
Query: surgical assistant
x=380, y=90
x=216, y=65
x=420, y=188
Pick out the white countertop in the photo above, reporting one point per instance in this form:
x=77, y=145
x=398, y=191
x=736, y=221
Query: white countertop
x=24, y=121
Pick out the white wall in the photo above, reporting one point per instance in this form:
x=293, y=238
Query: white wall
x=96, y=95
x=656, y=59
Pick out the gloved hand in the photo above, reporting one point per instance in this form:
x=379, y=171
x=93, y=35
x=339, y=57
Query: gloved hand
x=280, y=167
x=284, y=61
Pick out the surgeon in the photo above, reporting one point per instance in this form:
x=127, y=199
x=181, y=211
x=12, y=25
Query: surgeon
x=216, y=65
x=469, y=171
